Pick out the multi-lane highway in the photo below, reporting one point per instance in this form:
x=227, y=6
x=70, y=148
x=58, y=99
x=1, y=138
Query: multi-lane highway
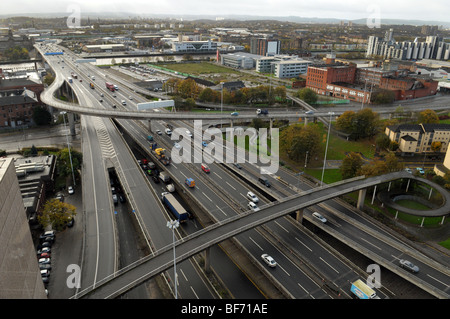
x=224, y=195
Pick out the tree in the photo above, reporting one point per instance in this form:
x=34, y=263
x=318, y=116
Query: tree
x=382, y=141
x=436, y=146
x=64, y=165
x=351, y=164
x=206, y=95
x=362, y=124
x=41, y=116
x=376, y=167
x=56, y=214
x=16, y=53
x=307, y=95
x=428, y=117
x=296, y=140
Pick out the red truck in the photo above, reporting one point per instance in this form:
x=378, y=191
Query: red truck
x=110, y=86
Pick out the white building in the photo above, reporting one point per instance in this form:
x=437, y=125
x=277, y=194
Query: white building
x=241, y=60
x=282, y=66
x=194, y=46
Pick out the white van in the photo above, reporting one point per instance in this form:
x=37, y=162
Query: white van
x=252, y=197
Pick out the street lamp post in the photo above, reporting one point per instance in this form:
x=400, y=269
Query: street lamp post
x=173, y=224
x=221, y=104
x=326, y=148
x=63, y=113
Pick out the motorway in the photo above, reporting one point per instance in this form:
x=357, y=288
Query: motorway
x=255, y=242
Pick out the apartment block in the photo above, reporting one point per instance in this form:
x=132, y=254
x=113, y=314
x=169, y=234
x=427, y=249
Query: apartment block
x=418, y=138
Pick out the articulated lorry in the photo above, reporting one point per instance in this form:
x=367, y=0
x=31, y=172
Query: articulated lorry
x=175, y=207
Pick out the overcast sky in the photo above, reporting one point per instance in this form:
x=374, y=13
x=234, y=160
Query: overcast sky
x=437, y=10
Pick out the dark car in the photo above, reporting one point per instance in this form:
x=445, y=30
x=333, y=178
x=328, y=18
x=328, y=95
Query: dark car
x=122, y=198
x=155, y=179
x=237, y=165
x=49, y=239
x=45, y=244
x=71, y=222
x=45, y=266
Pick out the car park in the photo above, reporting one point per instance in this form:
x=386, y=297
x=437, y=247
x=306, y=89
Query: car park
x=268, y=260
x=319, y=217
x=406, y=264
x=253, y=206
x=252, y=197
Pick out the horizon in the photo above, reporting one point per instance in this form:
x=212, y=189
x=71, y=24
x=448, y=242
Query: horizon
x=350, y=10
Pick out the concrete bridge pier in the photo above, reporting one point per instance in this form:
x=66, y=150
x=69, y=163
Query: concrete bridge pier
x=207, y=259
x=361, y=198
x=299, y=215
x=231, y=123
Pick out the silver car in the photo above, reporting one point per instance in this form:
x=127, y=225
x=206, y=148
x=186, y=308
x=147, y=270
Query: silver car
x=269, y=260
x=409, y=265
x=319, y=217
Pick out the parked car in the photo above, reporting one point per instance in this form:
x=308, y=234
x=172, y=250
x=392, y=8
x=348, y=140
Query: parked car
x=48, y=233
x=420, y=170
x=408, y=170
x=269, y=260
x=44, y=255
x=115, y=199
x=406, y=264
x=70, y=190
x=43, y=250
x=45, y=272
x=45, y=266
x=70, y=222
x=319, y=217
x=44, y=261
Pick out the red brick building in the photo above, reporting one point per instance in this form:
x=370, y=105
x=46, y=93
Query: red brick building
x=336, y=80
x=406, y=88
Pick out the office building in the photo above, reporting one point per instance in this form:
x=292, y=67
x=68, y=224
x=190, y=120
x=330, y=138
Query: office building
x=265, y=47
x=282, y=66
x=241, y=60
x=20, y=276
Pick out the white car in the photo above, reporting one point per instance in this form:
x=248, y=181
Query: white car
x=188, y=133
x=268, y=260
x=177, y=146
x=252, y=206
x=44, y=261
x=158, y=132
x=70, y=190
x=319, y=217
x=252, y=197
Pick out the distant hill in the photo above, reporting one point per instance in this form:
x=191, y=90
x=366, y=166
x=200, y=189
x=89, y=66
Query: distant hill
x=296, y=19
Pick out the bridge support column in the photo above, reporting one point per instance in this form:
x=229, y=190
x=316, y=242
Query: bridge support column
x=71, y=119
x=207, y=259
x=231, y=123
x=299, y=215
x=407, y=185
x=150, y=126
x=374, y=192
x=361, y=198
x=306, y=120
